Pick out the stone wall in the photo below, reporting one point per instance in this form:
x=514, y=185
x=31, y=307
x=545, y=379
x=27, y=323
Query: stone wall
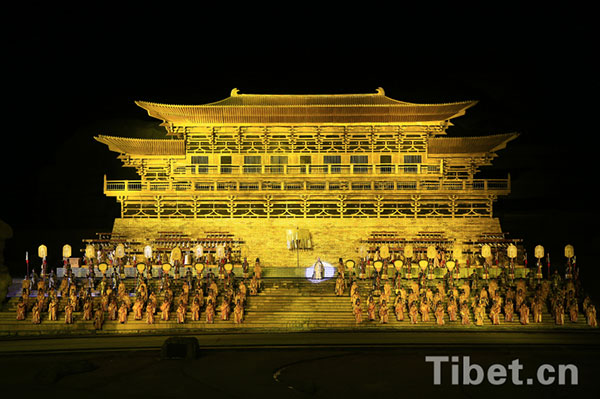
x=331, y=238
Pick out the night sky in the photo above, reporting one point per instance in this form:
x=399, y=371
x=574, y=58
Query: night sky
x=69, y=83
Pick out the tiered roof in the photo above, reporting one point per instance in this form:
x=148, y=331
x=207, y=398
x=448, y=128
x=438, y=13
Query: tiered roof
x=469, y=145
x=248, y=109
x=143, y=146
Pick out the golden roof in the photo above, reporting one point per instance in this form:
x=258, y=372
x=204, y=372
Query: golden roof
x=305, y=109
x=469, y=145
x=143, y=146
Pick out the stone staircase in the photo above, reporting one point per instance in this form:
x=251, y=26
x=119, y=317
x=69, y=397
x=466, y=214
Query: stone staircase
x=284, y=304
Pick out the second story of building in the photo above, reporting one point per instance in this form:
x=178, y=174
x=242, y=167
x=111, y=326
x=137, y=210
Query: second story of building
x=307, y=137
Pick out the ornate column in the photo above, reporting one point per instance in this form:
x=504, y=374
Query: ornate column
x=415, y=204
x=341, y=205
x=305, y=205
x=231, y=205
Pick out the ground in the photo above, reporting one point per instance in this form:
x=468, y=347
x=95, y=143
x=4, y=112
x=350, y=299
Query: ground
x=297, y=365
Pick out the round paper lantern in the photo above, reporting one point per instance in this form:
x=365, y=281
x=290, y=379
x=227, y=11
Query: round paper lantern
x=378, y=265
x=398, y=264
x=408, y=251
x=42, y=251
x=431, y=252
x=539, y=251
x=511, y=251
x=450, y=265
x=569, y=251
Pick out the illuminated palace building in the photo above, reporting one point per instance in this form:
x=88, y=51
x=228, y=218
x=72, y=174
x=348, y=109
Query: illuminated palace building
x=329, y=175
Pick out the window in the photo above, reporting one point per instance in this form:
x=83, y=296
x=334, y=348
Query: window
x=414, y=159
x=384, y=160
x=225, y=161
x=333, y=159
x=359, y=159
x=279, y=159
x=277, y=162
x=362, y=161
x=305, y=159
x=251, y=160
x=200, y=160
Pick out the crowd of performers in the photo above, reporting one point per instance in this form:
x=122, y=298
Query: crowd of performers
x=468, y=301
x=222, y=296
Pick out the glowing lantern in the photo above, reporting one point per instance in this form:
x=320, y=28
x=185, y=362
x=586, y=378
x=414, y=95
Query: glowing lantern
x=350, y=264
x=42, y=251
x=408, y=251
x=66, y=251
x=176, y=254
x=120, y=251
x=102, y=267
x=90, y=251
x=384, y=252
x=431, y=252
x=148, y=252
x=569, y=251
x=398, y=264
x=539, y=252
x=141, y=267
x=423, y=264
x=199, y=251
x=511, y=251
x=378, y=265
x=450, y=265
x=199, y=267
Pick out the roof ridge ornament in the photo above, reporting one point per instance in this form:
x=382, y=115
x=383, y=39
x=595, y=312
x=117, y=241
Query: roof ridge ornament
x=234, y=92
x=380, y=91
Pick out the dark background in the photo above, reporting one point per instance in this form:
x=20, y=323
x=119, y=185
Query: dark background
x=70, y=78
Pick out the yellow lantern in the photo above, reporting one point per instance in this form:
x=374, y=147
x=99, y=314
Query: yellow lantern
x=350, y=264
x=199, y=267
x=423, y=264
x=450, y=265
x=228, y=267
x=384, y=252
x=90, y=251
x=398, y=264
x=66, y=251
x=166, y=267
x=141, y=267
x=431, y=252
x=120, y=251
x=486, y=251
x=148, y=252
x=539, y=251
x=569, y=251
x=42, y=251
x=378, y=265
x=176, y=254
x=408, y=251
x=102, y=267
x=511, y=251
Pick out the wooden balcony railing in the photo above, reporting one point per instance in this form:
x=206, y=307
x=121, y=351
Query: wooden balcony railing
x=310, y=169
x=424, y=185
